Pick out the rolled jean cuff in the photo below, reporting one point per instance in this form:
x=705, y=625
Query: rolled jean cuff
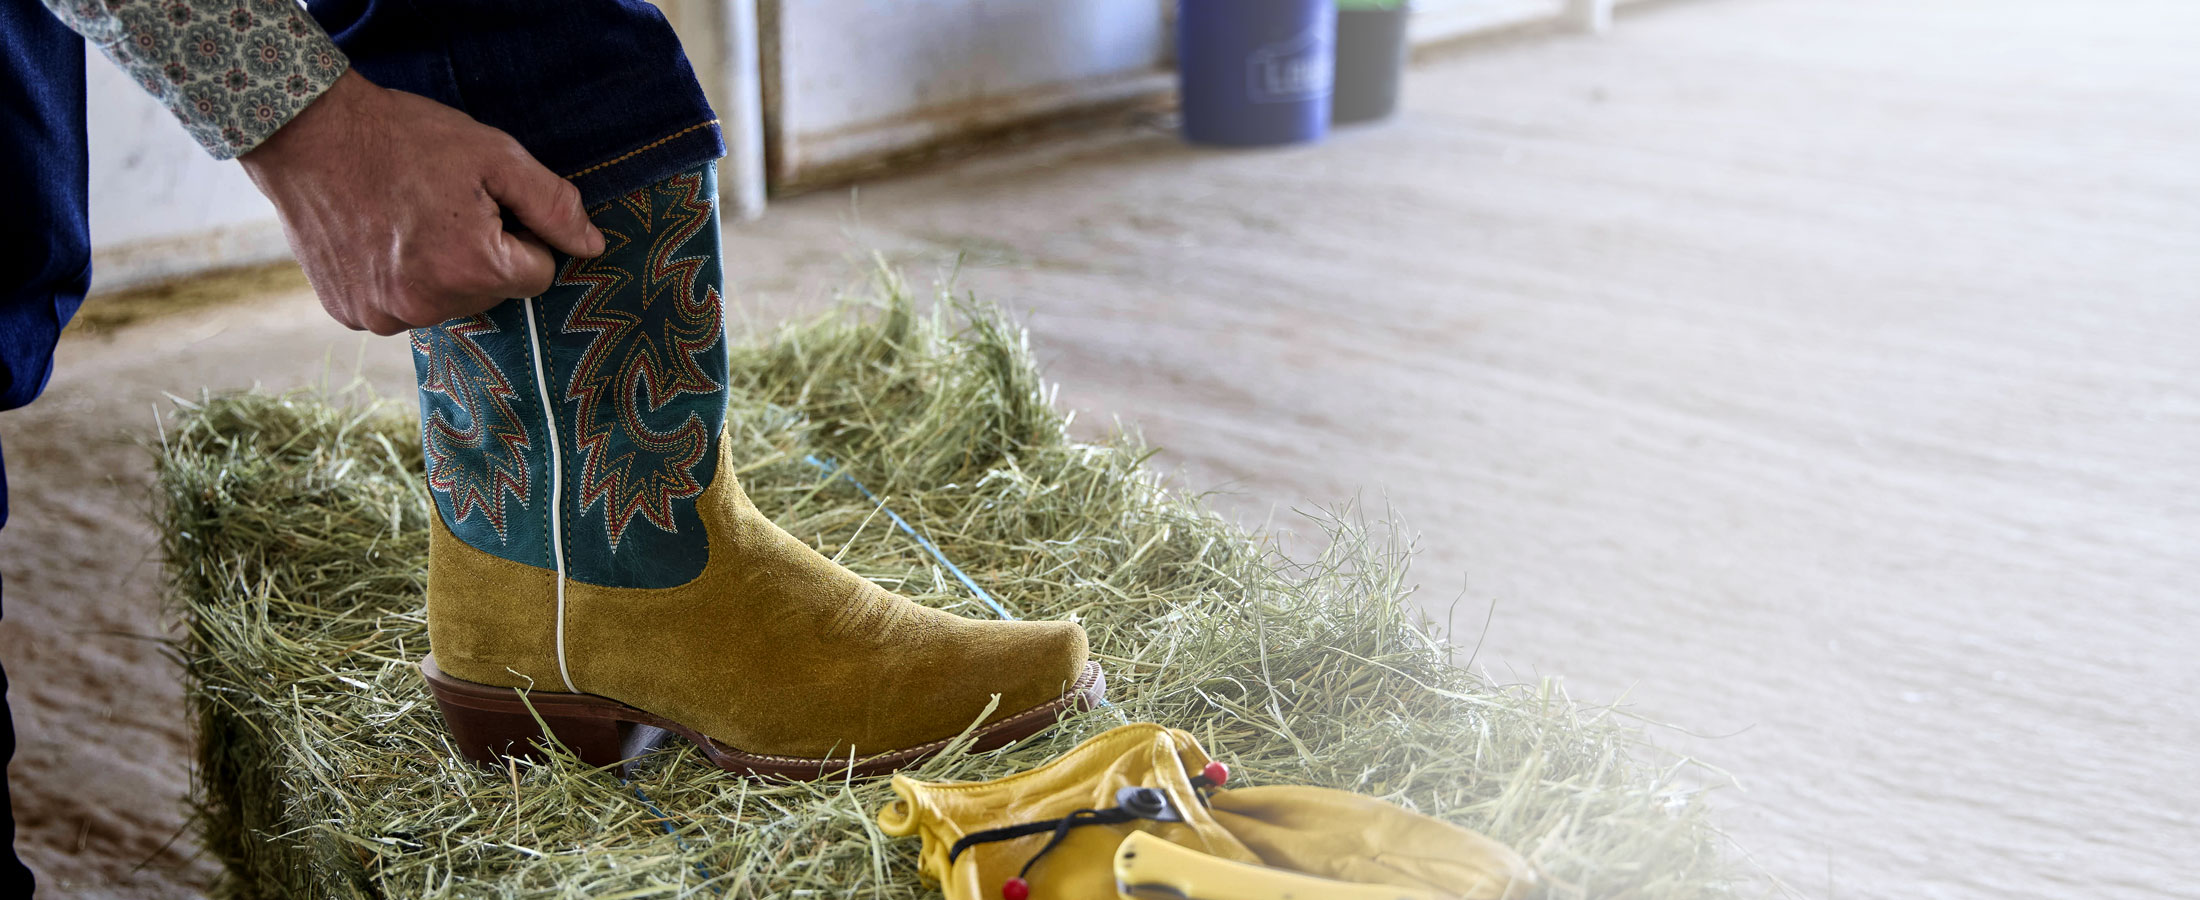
x=648, y=163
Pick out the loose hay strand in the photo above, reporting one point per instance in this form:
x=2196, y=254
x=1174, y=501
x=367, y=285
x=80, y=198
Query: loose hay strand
x=295, y=533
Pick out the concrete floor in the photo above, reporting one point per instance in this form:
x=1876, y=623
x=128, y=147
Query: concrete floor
x=1819, y=376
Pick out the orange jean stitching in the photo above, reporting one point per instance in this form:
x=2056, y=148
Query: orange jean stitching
x=642, y=149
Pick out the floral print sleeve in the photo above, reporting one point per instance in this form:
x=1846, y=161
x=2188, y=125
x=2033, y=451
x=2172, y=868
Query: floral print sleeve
x=232, y=70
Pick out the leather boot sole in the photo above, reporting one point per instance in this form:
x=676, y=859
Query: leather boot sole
x=490, y=724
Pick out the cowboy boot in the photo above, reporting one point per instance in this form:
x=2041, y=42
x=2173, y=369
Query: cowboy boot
x=594, y=561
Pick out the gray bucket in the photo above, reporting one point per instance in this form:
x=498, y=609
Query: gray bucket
x=1371, y=60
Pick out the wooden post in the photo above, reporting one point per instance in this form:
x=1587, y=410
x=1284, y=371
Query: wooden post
x=741, y=178
x=720, y=37
x=1591, y=16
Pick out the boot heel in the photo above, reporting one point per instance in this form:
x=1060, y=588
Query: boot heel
x=488, y=738
x=490, y=724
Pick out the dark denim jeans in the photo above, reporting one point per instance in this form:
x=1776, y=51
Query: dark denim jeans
x=48, y=253
x=598, y=90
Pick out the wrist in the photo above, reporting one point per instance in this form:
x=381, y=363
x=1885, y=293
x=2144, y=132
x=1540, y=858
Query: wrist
x=323, y=126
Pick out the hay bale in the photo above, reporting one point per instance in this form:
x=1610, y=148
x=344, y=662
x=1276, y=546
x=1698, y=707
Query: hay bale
x=295, y=531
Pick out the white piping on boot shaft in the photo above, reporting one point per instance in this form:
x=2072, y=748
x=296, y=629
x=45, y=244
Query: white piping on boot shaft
x=557, y=487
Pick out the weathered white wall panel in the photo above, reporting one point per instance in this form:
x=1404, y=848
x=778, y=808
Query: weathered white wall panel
x=160, y=206
x=1438, y=20
x=858, y=78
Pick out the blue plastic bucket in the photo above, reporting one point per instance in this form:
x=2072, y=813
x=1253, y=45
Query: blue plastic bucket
x=1255, y=72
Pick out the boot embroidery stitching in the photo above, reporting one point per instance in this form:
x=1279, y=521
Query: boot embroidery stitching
x=648, y=327
x=478, y=465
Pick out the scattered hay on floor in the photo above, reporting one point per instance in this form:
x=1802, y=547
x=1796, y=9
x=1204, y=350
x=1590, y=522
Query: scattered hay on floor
x=295, y=530
x=106, y=313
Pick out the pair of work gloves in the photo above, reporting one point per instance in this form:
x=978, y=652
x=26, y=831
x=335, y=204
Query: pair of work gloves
x=1139, y=812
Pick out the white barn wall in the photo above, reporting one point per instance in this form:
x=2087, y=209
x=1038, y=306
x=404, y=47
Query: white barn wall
x=860, y=79
x=160, y=206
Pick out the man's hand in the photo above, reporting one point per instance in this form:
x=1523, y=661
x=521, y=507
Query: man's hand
x=393, y=203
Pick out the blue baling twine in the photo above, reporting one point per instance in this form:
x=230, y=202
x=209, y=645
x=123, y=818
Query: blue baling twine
x=827, y=467
x=665, y=822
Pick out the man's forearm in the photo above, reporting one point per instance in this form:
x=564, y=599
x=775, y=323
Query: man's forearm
x=233, y=71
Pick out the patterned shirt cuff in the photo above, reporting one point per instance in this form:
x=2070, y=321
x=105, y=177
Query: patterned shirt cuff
x=233, y=71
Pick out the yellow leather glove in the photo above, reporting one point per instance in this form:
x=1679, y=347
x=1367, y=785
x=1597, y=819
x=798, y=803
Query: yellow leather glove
x=1321, y=832
x=1151, y=868
x=1348, y=837
x=1086, y=777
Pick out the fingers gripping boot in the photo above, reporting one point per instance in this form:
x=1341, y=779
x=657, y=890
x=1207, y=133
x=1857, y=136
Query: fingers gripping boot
x=594, y=547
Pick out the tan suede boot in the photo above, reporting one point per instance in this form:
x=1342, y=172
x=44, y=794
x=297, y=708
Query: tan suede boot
x=595, y=562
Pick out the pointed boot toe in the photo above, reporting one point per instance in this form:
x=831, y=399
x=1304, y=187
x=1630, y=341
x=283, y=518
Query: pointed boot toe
x=1037, y=670
x=1053, y=659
